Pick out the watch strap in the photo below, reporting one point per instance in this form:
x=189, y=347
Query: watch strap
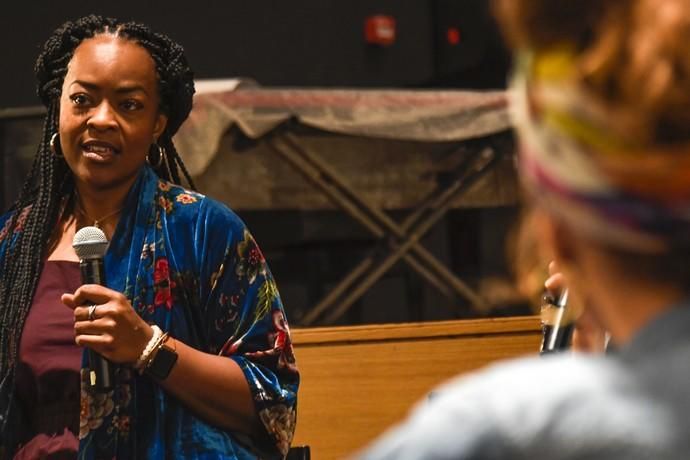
x=162, y=363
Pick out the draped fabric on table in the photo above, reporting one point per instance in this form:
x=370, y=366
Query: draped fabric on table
x=381, y=140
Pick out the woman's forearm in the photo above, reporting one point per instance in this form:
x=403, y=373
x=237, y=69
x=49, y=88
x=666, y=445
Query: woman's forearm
x=213, y=387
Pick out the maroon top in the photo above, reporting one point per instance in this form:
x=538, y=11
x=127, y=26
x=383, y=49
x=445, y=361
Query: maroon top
x=47, y=380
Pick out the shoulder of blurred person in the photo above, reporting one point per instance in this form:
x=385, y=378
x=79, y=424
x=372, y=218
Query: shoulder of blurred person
x=599, y=98
x=629, y=405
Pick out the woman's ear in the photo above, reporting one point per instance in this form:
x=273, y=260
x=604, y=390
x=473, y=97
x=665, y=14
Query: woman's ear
x=159, y=127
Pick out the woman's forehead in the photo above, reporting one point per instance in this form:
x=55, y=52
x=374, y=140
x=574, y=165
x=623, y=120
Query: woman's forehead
x=107, y=59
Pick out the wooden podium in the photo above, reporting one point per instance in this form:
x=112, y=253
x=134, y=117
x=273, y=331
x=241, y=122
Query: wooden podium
x=359, y=380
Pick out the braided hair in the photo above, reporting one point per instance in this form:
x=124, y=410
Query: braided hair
x=38, y=207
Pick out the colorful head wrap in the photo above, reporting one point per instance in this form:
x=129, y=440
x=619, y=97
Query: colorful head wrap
x=582, y=166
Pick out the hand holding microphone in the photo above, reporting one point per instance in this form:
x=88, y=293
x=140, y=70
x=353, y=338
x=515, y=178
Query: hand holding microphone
x=105, y=321
x=557, y=315
x=566, y=323
x=557, y=322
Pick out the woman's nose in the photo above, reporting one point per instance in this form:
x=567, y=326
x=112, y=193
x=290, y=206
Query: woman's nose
x=103, y=117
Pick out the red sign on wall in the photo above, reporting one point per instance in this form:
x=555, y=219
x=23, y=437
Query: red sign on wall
x=380, y=30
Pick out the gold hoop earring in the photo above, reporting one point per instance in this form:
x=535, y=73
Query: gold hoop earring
x=159, y=160
x=54, y=146
x=167, y=162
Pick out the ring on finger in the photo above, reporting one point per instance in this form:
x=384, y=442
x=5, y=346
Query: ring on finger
x=92, y=312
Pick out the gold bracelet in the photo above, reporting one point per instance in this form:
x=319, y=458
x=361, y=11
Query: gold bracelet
x=159, y=343
x=148, y=349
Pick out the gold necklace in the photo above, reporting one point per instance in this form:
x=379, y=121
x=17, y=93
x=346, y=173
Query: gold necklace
x=96, y=222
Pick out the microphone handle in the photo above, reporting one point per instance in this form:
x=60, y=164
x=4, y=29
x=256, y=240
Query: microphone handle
x=100, y=369
x=100, y=372
x=557, y=324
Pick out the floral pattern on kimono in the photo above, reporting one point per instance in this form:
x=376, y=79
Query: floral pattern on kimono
x=188, y=264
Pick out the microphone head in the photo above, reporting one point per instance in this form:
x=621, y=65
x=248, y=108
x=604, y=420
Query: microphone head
x=90, y=243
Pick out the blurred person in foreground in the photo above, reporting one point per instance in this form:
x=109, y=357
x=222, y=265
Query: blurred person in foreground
x=601, y=99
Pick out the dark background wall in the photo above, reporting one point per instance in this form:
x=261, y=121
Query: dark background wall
x=309, y=43
x=296, y=43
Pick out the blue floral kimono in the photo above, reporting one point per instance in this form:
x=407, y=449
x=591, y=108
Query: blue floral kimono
x=188, y=264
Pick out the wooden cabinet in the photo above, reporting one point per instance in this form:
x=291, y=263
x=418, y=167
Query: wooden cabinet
x=357, y=381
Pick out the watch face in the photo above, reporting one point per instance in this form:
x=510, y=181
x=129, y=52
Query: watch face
x=162, y=363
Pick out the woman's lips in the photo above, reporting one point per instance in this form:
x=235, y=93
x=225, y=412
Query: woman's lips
x=99, y=152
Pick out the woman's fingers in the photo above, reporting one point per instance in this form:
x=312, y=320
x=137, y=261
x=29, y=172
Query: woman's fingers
x=553, y=267
x=88, y=294
x=95, y=327
x=68, y=300
x=102, y=344
x=105, y=322
x=90, y=312
x=112, y=329
x=555, y=283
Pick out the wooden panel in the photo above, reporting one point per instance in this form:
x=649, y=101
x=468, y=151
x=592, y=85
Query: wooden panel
x=357, y=381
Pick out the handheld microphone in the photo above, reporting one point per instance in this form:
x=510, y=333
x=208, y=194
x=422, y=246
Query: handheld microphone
x=90, y=245
x=557, y=323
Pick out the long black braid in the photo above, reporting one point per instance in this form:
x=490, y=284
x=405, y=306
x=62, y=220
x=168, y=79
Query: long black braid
x=37, y=210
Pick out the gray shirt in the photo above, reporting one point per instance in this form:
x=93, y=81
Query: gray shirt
x=632, y=404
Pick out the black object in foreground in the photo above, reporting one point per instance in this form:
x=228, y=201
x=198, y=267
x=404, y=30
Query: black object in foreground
x=557, y=324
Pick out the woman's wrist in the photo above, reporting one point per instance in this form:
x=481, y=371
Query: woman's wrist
x=147, y=352
x=162, y=360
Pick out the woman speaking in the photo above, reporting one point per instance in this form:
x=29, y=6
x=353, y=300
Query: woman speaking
x=190, y=318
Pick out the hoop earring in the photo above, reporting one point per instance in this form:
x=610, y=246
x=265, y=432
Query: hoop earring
x=54, y=146
x=159, y=160
x=167, y=164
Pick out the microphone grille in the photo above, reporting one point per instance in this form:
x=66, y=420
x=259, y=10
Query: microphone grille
x=90, y=243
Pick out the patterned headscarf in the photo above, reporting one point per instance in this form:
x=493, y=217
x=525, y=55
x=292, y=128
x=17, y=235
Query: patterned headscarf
x=582, y=166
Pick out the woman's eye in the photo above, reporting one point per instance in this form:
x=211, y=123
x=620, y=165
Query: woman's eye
x=79, y=100
x=131, y=104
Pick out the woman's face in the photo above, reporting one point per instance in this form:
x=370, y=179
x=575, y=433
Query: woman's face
x=109, y=113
